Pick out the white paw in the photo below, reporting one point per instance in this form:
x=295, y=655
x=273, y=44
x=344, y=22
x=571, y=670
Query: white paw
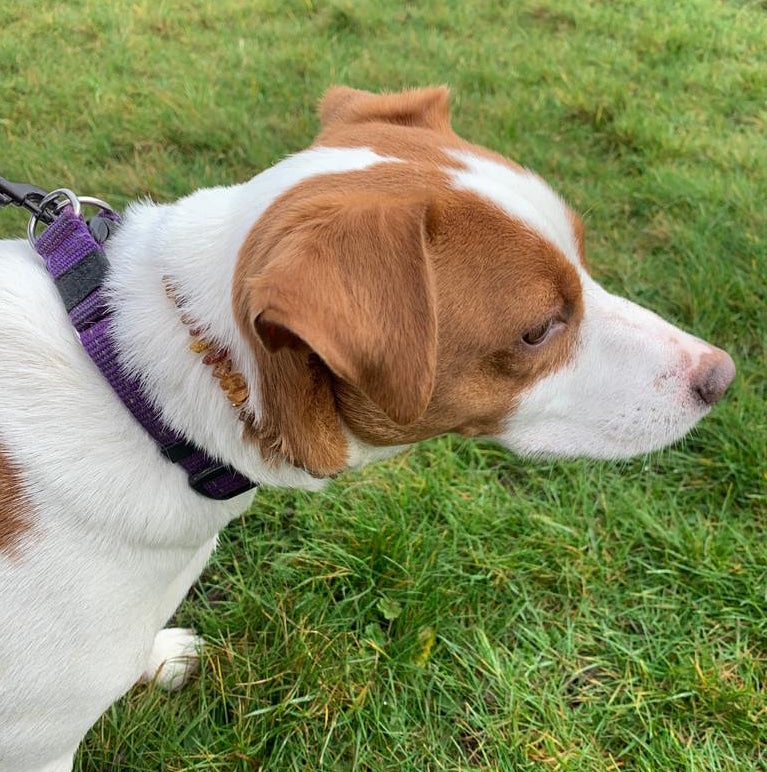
x=174, y=658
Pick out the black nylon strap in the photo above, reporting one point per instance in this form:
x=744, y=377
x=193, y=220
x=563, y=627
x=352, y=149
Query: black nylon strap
x=76, y=283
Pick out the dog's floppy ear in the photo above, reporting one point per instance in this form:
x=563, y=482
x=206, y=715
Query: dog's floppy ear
x=349, y=289
x=426, y=107
x=356, y=287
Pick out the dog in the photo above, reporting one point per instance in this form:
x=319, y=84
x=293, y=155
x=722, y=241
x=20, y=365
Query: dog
x=391, y=283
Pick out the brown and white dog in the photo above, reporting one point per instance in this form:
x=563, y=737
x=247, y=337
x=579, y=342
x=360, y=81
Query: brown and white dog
x=391, y=283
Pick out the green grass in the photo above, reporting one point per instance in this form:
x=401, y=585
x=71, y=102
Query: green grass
x=456, y=609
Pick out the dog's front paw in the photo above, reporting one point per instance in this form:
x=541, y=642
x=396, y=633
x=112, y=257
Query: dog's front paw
x=174, y=658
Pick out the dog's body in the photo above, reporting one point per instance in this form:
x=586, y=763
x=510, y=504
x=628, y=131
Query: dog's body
x=389, y=284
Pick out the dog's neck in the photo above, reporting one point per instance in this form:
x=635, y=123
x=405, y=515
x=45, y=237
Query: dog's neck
x=153, y=333
x=193, y=245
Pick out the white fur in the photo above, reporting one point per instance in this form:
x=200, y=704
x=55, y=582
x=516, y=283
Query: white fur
x=119, y=536
x=174, y=657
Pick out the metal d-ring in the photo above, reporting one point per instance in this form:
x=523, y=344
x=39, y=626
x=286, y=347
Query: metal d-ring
x=91, y=201
x=69, y=199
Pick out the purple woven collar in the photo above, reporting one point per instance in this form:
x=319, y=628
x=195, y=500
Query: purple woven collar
x=78, y=265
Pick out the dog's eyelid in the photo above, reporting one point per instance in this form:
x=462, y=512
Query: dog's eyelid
x=538, y=334
x=535, y=336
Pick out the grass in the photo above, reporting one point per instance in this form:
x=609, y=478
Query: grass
x=456, y=609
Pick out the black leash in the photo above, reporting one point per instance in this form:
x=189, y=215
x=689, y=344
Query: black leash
x=26, y=196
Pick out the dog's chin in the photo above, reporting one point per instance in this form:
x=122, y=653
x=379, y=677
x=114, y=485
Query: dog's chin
x=361, y=454
x=612, y=444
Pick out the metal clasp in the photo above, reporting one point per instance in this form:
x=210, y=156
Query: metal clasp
x=54, y=202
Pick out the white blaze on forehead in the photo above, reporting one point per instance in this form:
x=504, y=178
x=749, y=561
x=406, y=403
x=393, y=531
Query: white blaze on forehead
x=522, y=194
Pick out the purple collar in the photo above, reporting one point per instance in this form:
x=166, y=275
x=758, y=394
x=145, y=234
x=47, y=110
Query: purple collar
x=78, y=266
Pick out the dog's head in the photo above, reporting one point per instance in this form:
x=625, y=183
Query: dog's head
x=443, y=288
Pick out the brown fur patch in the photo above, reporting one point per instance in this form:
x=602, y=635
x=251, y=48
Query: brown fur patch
x=299, y=423
x=427, y=107
x=15, y=518
x=395, y=304
x=352, y=118
x=495, y=281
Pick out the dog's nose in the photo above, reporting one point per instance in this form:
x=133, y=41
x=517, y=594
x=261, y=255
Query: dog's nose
x=713, y=375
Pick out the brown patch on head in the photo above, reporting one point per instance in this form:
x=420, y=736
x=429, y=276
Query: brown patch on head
x=414, y=126
x=428, y=108
x=495, y=281
x=15, y=518
x=390, y=303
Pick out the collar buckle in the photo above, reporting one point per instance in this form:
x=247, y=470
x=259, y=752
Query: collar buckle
x=220, y=482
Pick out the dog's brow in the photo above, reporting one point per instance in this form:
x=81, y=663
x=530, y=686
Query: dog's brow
x=522, y=195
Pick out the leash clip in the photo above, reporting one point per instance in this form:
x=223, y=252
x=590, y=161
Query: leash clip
x=25, y=196
x=45, y=207
x=53, y=203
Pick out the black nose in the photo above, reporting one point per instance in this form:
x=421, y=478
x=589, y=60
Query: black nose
x=712, y=376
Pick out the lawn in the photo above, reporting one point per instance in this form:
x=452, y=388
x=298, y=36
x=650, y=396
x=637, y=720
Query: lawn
x=456, y=608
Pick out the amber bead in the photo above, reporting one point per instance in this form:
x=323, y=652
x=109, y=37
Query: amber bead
x=215, y=356
x=233, y=381
x=238, y=396
x=222, y=369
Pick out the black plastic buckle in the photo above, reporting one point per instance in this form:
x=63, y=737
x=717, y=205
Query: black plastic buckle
x=178, y=451
x=102, y=226
x=26, y=196
x=199, y=481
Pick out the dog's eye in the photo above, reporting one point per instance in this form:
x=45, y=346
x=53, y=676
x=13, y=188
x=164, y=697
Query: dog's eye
x=538, y=334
